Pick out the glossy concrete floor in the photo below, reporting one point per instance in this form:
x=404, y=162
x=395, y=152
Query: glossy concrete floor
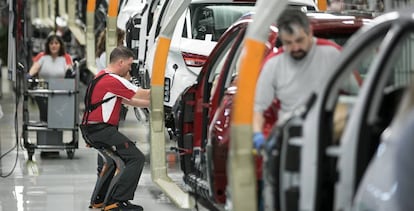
x=58, y=183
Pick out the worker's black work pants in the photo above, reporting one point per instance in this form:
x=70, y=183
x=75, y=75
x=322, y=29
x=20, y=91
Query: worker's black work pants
x=108, y=136
x=42, y=104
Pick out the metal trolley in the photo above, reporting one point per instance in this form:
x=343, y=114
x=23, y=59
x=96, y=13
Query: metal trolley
x=63, y=115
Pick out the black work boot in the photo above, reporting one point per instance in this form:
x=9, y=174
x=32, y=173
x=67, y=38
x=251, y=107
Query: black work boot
x=97, y=203
x=122, y=206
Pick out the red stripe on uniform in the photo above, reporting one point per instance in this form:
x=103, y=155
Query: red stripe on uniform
x=68, y=59
x=38, y=56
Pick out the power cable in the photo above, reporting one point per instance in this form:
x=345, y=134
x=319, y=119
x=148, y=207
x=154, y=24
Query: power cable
x=19, y=33
x=16, y=128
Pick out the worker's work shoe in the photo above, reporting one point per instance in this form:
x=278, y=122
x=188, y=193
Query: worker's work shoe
x=123, y=206
x=96, y=205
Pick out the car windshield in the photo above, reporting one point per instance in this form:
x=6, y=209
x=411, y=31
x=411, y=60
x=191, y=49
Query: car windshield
x=339, y=39
x=209, y=21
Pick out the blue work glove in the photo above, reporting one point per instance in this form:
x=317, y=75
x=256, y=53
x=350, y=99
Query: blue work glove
x=258, y=140
x=70, y=73
x=28, y=76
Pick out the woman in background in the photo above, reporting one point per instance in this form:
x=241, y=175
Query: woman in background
x=52, y=63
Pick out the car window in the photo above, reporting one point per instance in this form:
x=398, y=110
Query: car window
x=339, y=39
x=210, y=21
x=360, y=66
x=403, y=64
x=223, y=57
x=234, y=68
x=302, y=7
x=185, y=32
x=388, y=78
x=400, y=69
x=221, y=60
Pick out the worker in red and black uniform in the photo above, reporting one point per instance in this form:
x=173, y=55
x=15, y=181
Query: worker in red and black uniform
x=112, y=89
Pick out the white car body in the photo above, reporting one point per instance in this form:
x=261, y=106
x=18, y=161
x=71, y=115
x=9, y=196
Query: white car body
x=178, y=74
x=127, y=10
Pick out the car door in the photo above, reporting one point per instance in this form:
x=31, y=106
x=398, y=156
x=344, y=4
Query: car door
x=379, y=184
x=311, y=138
x=389, y=74
x=192, y=109
x=349, y=125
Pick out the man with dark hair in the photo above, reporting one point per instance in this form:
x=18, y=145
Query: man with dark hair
x=293, y=72
x=101, y=117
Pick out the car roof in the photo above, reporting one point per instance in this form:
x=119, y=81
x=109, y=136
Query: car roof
x=309, y=4
x=221, y=1
x=295, y=2
x=303, y=2
x=321, y=21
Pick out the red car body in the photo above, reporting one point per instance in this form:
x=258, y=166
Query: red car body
x=203, y=116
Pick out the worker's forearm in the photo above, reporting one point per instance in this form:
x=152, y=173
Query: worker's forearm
x=143, y=94
x=258, y=121
x=34, y=69
x=136, y=102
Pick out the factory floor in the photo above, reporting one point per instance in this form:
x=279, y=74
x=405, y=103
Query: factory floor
x=56, y=182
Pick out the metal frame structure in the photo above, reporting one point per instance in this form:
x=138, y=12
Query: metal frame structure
x=157, y=129
x=242, y=174
x=90, y=36
x=111, y=38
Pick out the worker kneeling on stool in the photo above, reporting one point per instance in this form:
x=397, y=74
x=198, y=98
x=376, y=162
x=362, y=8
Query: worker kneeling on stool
x=99, y=127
